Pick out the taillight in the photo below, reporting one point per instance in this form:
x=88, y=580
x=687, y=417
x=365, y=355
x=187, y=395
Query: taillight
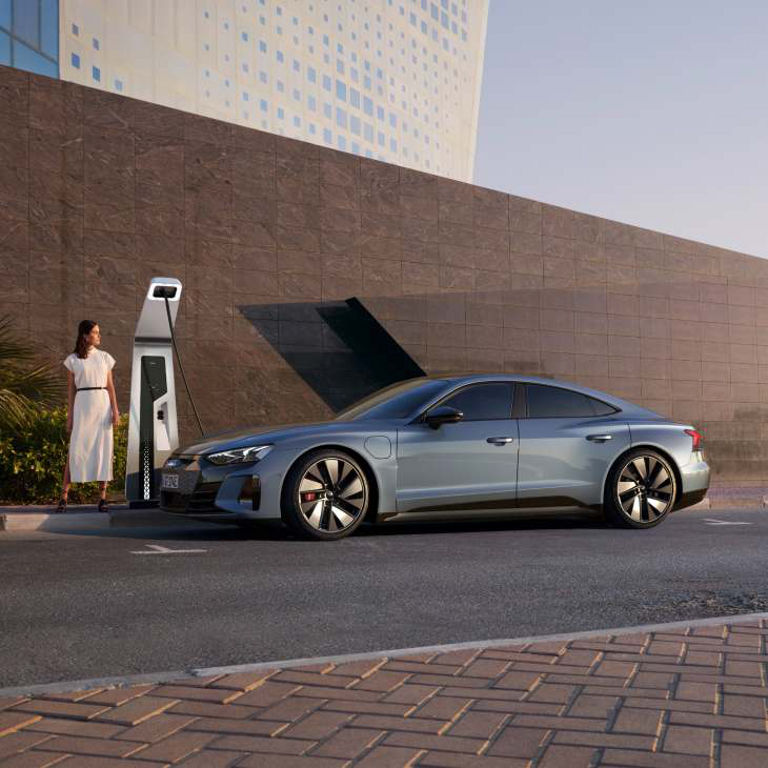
x=696, y=437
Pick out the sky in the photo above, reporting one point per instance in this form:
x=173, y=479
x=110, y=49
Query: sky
x=649, y=112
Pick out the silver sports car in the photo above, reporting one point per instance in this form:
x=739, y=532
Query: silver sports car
x=443, y=448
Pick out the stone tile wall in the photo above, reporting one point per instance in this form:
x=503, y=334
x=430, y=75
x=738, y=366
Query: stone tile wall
x=98, y=193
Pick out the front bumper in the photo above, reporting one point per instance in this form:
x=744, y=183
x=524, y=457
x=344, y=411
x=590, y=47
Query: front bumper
x=203, y=491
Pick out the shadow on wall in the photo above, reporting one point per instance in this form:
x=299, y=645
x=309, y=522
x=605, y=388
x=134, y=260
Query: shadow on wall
x=339, y=348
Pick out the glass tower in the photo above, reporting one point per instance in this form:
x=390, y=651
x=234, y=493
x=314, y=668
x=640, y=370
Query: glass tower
x=398, y=80
x=29, y=35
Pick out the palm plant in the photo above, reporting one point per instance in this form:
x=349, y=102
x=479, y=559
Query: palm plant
x=25, y=385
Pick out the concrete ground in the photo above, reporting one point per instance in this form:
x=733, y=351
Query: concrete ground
x=667, y=697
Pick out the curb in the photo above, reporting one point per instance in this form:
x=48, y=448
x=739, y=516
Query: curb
x=203, y=672
x=93, y=521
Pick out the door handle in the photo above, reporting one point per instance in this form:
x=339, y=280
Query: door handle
x=500, y=440
x=599, y=438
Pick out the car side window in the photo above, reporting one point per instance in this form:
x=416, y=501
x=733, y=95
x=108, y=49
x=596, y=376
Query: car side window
x=555, y=402
x=483, y=402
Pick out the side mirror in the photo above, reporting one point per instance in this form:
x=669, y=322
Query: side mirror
x=443, y=414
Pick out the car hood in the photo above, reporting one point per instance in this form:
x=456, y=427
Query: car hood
x=255, y=435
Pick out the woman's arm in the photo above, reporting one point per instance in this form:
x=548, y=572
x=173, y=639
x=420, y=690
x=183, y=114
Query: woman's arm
x=70, y=399
x=113, y=399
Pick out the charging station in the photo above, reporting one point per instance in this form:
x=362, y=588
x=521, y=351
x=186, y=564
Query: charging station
x=153, y=432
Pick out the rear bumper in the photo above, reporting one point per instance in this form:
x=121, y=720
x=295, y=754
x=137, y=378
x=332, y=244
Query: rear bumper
x=694, y=479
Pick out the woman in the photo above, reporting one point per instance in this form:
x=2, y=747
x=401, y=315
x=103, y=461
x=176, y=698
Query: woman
x=91, y=414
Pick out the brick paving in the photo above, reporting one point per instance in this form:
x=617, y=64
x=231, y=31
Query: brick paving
x=684, y=698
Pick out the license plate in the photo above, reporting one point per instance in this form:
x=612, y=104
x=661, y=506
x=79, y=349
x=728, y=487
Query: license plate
x=170, y=481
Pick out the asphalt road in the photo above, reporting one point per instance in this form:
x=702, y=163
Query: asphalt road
x=82, y=606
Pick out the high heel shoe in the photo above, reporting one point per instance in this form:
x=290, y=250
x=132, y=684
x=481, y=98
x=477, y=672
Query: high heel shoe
x=62, y=507
x=103, y=506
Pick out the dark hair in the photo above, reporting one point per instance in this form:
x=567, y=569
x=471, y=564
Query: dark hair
x=81, y=345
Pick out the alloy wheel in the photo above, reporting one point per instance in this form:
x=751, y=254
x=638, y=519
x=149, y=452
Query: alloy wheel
x=645, y=489
x=332, y=495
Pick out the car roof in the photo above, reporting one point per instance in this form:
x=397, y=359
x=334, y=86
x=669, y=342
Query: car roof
x=463, y=378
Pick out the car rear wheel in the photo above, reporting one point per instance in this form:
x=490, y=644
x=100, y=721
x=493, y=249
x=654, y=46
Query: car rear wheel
x=325, y=495
x=641, y=490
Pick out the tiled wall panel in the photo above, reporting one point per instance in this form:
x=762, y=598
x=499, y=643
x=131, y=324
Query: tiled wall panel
x=98, y=193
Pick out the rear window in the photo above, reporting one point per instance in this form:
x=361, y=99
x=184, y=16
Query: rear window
x=555, y=402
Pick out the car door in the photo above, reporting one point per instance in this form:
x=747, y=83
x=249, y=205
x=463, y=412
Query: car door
x=471, y=464
x=568, y=441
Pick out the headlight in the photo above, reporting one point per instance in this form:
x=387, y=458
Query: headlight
x=239, y=455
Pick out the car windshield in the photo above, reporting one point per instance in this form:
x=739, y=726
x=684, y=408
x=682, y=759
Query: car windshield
x=395, y=402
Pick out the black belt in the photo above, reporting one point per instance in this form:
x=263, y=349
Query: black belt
x=82, y=389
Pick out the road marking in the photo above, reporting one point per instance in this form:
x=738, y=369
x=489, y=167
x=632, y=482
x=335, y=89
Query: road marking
x=156, y=549
x=712, y=521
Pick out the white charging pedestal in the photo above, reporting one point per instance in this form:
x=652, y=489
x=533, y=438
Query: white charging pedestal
x=153, y=432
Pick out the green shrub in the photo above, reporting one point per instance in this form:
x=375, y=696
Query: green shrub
x=32, y=460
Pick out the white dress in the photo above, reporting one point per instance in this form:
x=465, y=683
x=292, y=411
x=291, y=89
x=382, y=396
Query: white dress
x=91, y=442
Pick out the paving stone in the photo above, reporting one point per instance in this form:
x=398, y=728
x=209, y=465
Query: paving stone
x=367, y=707
x=635, y=720
x=593, y=706
x=115, y=696
x=517, y=742
x=16, y=742
x=447, y=760
x=427, y=741
x=285, y=761
x=264, y=744
x=267, y=693
x=688, y=740
x=188, y=693
x=290, y=709
x=205, y=709
x=13, y=721
x=386, y=723
x=514, y=707
x=489, y=669
x=717, y=721
x=243, y=681
x=309, y=678
x=359, y=668
x=244, y=727
x=136, y=710
x=745, y=706
x=216, y=758
x=411, y=694
x=348, y=743
x=460, y=658
x=82, y=761
x=554, y=694
x=520, y=681
x=397, y=665
x=175, y=747
x=66, y=709
x=75, y=728
x=390, y=757
x=558, y=756
x=619, y=740
x=81, y=745
x=154, y=729
x=69, y=695
x=632, y=759
x=10, y=701
x=479, y=725
x=382, y=681
x=442, y=708
x=456, y=682
x=34, y=760
x=318, y=725
x=568, y=723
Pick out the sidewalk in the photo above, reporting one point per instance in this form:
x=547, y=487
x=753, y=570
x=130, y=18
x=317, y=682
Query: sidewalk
x=672, y=696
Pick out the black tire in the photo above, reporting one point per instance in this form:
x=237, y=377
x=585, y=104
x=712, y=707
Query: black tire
x=333, y=506
x=651, y=499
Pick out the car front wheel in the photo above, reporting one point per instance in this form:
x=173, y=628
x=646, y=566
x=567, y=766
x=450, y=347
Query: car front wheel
x=641, y=490
x=325, y=495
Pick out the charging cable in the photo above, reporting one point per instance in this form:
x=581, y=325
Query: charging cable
x=181, y=367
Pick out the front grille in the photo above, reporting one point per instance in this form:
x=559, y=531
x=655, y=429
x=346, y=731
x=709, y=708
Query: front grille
x=192, y=496
x=203, y=497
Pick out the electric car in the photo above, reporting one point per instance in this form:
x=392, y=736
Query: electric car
x=440, y=448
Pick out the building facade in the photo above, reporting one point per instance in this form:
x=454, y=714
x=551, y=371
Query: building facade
x=395, y=80
x=271, y=236
x=29, y=35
